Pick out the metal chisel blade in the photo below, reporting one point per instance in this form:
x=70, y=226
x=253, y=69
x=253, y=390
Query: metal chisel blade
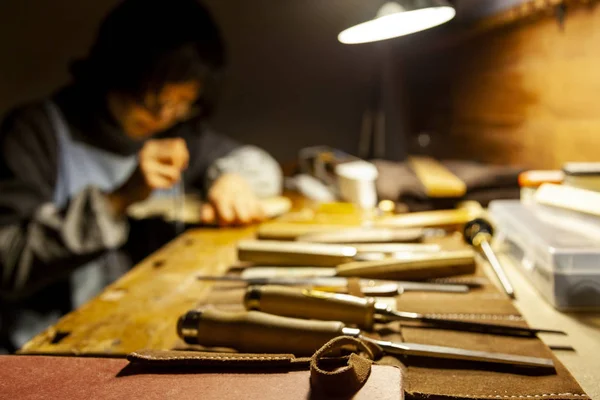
x=466, y=325
x=369, y=285
x=423, y=350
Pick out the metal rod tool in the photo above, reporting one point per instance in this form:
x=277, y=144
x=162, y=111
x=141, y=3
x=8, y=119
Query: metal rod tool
x=179, y=206
x=375, y=286
x=478, y=233
x=257, y=332
x=363, y=312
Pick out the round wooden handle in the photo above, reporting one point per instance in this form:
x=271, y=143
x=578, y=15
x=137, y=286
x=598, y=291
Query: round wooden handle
x=365, y=235
x=257, y=332
x=423, y=266
x=270, y=252
x=311, y=304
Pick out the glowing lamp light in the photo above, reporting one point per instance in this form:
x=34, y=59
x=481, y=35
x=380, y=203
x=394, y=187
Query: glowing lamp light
x=399, y=18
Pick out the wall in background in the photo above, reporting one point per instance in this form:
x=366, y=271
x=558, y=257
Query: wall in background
x=290, y=83
x=525, y=94
x=38, y=40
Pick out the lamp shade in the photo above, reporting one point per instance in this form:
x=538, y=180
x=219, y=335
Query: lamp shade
x=399, y=18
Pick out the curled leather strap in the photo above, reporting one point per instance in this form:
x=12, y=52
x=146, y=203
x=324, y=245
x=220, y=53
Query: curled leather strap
x=345, y=380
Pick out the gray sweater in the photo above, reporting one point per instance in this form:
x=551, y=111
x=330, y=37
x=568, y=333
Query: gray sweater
x=44, y=241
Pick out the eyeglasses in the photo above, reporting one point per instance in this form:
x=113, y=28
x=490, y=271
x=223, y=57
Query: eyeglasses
x=179, y=111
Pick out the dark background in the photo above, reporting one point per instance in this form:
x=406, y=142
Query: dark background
x=290, y=83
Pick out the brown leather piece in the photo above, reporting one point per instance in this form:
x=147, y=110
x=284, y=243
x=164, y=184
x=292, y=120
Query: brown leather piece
x=475, y=303
x=449, y=379
x=40, y=377
x=341, y=381
x=460, y=380
x=211, y=359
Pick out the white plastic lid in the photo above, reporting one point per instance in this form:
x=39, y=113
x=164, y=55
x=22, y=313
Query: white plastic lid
x=561, y=240
x=357, y=170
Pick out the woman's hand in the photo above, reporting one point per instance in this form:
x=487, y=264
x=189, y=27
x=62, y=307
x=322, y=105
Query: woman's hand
x=161, y=163
x=231, y=202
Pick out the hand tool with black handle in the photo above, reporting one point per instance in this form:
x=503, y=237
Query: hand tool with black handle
x=257, y=332
x=478, y=233
x=363, y=312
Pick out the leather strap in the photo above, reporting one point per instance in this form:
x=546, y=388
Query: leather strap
x=170, y=358
x=345, y=380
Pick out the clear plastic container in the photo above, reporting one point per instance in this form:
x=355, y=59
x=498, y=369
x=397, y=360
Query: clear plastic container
x=558, y=250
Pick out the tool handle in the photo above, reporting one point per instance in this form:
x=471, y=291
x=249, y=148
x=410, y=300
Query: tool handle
x=257, y=332
x=427, y=219
x=311, y=304
x=290, y=231
x=417, y=268
x=272, y=252
x=365, y=235
x=477, y=230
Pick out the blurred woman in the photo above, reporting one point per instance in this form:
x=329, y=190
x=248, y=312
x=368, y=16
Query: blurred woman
x=133, y=121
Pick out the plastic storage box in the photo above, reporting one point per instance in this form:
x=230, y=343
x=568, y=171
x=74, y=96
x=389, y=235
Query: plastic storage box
x=558, y=250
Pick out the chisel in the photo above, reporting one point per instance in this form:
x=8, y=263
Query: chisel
x=365, y=235
x=412, y=221
x=415, y=267
x=369, y=287
x=360, y=311
x=257, y=332
x=349, y=262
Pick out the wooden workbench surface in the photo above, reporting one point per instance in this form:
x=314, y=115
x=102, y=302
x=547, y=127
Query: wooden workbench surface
x=140, y=310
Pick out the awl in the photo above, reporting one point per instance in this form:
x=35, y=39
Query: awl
x=257, y=332
x=359, y=311
x=478, y=233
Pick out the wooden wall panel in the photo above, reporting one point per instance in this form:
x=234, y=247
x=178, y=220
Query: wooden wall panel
x=525, y=94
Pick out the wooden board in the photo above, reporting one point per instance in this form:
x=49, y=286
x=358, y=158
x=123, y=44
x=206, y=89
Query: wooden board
x=524, y=94
x=140, y=310
x=436, y=178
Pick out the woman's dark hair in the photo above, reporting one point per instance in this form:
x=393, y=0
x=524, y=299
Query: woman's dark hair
x=144, y=44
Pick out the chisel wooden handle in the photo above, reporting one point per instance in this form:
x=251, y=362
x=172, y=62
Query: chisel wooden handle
x=311, y=304
x=290, y=230
x=419, y=267
x=272, y=252
x=257, y=332
x=365, y=235
x=425, y=219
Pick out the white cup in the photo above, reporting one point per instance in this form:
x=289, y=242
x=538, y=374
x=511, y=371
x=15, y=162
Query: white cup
x=356, y=183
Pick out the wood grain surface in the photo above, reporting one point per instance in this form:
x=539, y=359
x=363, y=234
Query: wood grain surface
x=140, y=310
x=524, y=93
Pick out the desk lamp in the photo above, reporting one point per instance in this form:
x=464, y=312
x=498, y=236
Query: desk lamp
x=381, y=133
x=399, y=18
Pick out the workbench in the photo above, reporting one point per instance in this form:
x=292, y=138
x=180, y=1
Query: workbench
x=140, y=310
